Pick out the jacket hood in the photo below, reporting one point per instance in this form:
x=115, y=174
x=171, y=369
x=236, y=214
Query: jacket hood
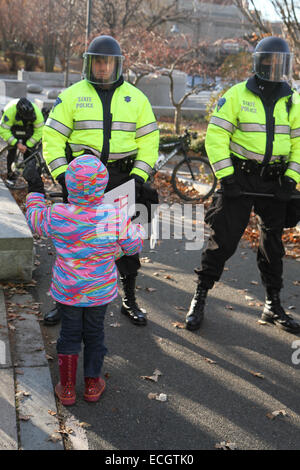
x=86, y=180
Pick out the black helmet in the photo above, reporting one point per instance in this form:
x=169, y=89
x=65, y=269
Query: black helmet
x=103, y=61
x=272, y=60
x=25, y=110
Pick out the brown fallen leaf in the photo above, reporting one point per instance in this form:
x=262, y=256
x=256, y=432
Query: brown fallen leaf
x=178, y=324
x=52, y=413
x=153, y=377
x=226, y=445
x=157, y=396
x=49, y=358
x=275, y=413
x=84, y=425
x=65, y=430
x=152, y=396
x=150, y=289
x=262, y=322
x=25, y=417
x=257, y=374
x=54, y=438
x=210, y=361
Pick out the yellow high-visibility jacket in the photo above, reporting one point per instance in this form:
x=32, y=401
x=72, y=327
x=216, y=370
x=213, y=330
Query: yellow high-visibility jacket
x=239, y=126
x=8, y=120
x=77, y=119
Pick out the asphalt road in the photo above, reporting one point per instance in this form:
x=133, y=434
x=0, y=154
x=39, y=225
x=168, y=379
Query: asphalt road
x=222, y=382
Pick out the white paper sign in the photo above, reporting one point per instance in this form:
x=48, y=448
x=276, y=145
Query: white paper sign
x=122, y=196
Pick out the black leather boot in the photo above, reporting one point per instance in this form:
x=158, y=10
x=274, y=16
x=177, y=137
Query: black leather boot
x=52, y=318
x=195, y=314
x=129, y=305
x=274, y=313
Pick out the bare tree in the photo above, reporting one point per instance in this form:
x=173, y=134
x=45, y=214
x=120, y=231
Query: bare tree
x=253, y=15
x=191, y=60
x=115, y=16
x=288, y=12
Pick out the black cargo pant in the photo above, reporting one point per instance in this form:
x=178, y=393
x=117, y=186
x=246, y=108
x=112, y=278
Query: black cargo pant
x=11, y=155
x=118, y=175
x=228, y=219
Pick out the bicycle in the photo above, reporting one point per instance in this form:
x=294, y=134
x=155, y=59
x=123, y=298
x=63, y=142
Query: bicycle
x=192, y=177
x=19, y=164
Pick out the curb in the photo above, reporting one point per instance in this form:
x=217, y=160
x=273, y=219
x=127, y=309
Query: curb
x=27, y=403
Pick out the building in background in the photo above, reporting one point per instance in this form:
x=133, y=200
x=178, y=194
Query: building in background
x=211, y=20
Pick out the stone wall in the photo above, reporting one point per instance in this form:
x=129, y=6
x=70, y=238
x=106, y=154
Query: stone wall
x=47, y=79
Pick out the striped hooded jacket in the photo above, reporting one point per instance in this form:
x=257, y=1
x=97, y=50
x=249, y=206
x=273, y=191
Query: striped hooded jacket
x=117, y=125
x=243, y=127
x=87, y=236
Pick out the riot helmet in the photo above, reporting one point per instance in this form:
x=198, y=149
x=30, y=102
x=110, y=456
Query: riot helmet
x=25, y=110
x=272, y=60
x=103, y=61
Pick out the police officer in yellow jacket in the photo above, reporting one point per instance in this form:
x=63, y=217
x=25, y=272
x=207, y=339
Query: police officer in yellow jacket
x=253, y=144
x=21, y=127
x=108, y=117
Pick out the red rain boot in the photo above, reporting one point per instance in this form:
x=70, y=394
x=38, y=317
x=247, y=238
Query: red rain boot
x=94, y=387
x=65, y=389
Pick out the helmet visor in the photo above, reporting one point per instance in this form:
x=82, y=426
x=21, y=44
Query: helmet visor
x=102, y=69
x=273, y=66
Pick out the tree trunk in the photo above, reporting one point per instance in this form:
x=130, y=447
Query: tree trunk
x=49, y=53
x=177, y=119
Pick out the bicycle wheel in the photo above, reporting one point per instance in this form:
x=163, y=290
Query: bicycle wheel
x=193, y=179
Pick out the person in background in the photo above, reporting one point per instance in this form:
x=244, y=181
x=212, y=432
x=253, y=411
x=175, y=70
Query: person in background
x=21, y=127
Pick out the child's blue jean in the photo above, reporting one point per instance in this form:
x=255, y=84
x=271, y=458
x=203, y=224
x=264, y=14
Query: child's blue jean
x=83, y=324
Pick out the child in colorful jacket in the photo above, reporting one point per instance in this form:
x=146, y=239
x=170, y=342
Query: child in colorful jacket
x=88, y=236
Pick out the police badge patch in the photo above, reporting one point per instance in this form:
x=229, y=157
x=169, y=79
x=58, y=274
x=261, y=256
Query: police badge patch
x=58, y=101
x=221, y=103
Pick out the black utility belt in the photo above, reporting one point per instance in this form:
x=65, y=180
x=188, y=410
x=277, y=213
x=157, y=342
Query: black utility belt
x=271, y=170
x=125, y=165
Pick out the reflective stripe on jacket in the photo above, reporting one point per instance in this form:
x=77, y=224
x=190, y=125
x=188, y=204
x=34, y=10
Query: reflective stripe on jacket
x=77, y=119
x=238, y=126
x=8, y=120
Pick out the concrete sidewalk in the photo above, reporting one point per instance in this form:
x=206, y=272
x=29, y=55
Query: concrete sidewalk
x=27, y=404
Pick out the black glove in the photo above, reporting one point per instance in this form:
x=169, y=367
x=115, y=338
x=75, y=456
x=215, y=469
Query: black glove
x=285, y=190
x=138, y=186
x=62, y=181
x=33, y=177
x=230, y=187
